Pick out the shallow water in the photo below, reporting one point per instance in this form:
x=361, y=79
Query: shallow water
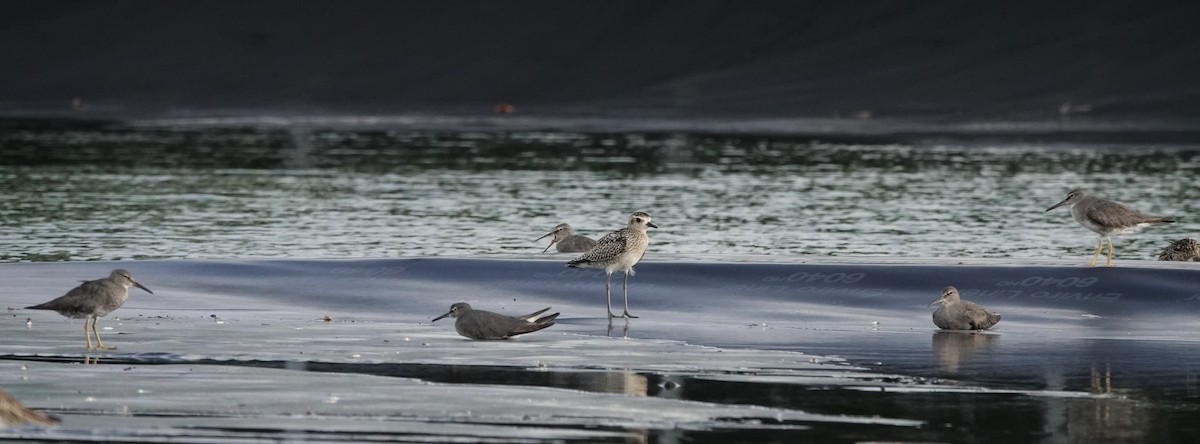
x=112, y=192
x=783, y=298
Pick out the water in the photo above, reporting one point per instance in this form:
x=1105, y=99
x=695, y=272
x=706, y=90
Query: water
x=810, y=324
x=113, y=192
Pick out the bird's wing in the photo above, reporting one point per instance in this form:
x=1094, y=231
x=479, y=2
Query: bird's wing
x=532, y=327
x=947, y=319
x=547, y=320
x=615, y=236
x=979, y=317
x=480, y=324
x=533, y=316
x=608, y=247
x=1107, y=213
x=576, y=243
x=81, y=298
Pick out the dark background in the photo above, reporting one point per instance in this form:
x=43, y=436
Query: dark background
x=936, y=59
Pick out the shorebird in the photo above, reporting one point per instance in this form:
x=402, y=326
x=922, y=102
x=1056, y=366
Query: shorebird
x=1185, y=250
x=618, y=250
x=957, y=314
x=485, y=325
x=565, y=240
x=92, y=300
x=13, y=413
x=1107, y=218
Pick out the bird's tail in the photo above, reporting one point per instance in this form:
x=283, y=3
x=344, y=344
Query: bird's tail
x=547, y=320
x=536, y=325
x=533, y=317
x=1165, y=220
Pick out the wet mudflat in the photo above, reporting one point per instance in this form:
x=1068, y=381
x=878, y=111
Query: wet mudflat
x=234, y=351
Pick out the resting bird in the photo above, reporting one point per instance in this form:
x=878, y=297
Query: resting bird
x=485, y=325
x=1185, y=250
x=1107, y=218
x=957, y=314
x=93, y=300
x=566, y=241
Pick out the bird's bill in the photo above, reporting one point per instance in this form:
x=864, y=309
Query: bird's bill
x=552, y=240
x=143, y=287
x=442, y=316
x=651, y=225
x=939, y=300
x=1058, y=204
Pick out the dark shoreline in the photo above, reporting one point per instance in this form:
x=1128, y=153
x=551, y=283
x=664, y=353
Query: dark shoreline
x=940, y=60
x=848, y=132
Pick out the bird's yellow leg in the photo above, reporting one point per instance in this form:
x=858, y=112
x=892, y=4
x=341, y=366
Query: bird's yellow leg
x=87, y=335
x=1110, y=252
x=100, y=344
x=1099, y=248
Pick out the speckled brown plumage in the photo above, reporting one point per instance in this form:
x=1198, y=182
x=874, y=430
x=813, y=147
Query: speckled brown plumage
x=13, y=413
x=1184, y=250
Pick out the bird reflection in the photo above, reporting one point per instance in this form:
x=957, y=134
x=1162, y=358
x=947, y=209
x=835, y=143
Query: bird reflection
x=625, y=383
x=1102, y=379
x=953, y=348
x=624, y=329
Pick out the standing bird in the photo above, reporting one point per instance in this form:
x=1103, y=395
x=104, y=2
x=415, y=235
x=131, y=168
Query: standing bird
x=92, y=300
x=957, y=314
x=485, y=325
x=566, y=241
x=1107, y=218
x=618, y=250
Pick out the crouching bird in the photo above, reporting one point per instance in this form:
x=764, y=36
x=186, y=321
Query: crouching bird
x=485, y=325
x=957, y=314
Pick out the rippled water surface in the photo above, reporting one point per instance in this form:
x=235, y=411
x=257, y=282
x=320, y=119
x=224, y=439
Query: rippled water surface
x=92, y=192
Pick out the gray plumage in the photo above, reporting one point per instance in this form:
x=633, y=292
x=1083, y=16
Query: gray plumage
x=92, y=300
x=957, y=314
x=485, y=325
x=1184, y=250
x=618, y=251
x=1107, y=218
x=565, y=240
